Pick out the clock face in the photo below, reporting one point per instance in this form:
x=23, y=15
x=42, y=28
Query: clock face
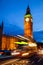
x=31, y=20
x=27, y=19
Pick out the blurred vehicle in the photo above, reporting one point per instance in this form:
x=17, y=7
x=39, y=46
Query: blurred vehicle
x=25, y=54
x=20, y=53
x=1, y=52
x=5, y=52
x=16, y=53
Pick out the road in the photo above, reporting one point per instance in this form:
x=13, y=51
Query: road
x=33, y=60
x=17, y=61
x=36, y=60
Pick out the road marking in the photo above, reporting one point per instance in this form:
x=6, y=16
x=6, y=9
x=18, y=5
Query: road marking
x=39, y=60
x=32, y=62
x=11, y=61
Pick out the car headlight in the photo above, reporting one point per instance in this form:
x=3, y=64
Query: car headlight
x=25, y=54
x=15, y=53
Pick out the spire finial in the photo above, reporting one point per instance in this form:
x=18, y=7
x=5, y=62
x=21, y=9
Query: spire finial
x=28, y=10
x=2, y=24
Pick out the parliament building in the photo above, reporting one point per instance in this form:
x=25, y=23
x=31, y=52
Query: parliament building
x=7, y=42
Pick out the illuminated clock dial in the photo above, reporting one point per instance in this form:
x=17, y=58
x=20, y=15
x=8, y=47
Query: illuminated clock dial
x=31, y=20
x=27, y=19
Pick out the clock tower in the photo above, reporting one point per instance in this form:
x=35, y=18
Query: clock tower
x=28, y=23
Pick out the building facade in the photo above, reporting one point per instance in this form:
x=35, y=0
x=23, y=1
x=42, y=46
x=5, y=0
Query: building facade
x=1, y=30
x=8, y=42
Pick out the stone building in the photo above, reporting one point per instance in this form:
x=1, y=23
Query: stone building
x=8, y=42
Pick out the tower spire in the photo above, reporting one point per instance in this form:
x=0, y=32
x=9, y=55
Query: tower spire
x=28, y=10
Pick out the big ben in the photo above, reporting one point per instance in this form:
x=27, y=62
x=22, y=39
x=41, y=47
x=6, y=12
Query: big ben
x=28, y=23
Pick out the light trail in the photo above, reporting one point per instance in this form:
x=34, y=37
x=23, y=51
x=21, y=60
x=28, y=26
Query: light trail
x=10, y=61
x=22, y=37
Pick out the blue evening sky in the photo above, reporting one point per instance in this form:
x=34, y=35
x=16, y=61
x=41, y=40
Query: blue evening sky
x=12, y=13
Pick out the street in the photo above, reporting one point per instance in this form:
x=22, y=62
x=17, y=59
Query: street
x=15, y=62
x=33, y=60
